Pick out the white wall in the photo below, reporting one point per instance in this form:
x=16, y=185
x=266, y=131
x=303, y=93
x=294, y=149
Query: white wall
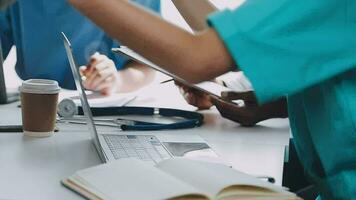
x=170, y=13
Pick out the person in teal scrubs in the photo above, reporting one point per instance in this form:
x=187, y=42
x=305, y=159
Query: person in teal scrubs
x=303, y=50
x=307, y=51
x=34, y=27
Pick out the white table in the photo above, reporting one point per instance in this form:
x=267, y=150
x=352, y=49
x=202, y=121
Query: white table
x=31, y=168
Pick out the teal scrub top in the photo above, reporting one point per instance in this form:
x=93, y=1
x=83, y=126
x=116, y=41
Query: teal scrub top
x=34, y=26
x=305, y=50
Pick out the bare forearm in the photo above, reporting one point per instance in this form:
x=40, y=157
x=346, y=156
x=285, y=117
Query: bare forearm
x=194, y=58
x=195, y=12
x=134, y=77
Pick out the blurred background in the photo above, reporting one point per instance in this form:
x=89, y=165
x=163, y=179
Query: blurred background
x=169, y=12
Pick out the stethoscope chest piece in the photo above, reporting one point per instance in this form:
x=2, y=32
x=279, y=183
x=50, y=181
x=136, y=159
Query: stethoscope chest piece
x=67, y=108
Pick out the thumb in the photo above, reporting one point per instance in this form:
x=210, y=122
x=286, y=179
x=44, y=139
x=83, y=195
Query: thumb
x=83, y=70
x=248, y=97
x=94, y=56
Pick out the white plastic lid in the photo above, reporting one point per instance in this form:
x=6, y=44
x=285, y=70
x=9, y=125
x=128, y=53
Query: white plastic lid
x=40, y=86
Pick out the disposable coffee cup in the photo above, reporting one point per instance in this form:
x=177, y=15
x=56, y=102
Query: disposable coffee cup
x=39, y=98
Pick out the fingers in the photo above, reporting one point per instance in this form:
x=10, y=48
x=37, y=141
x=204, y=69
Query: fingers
x=196, y=98
x=100, y=69
x=100, y=73
x=97, y=57
x=191, y=98
x=105, y=87
x=246, y=116
x=90, y=77
x=249, y=115
x=82, y=71
x=103, y=64
x=89, y=69
x=105, y=76
x=248, y=97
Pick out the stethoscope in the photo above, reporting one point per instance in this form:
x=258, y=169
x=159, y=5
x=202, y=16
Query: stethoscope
x=70, y=113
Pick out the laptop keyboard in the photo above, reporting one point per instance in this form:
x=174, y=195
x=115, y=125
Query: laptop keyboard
x=144, y=147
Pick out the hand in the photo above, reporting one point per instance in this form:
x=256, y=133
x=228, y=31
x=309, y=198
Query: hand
x=100, y=74
x=250, y=113
x=194, y=97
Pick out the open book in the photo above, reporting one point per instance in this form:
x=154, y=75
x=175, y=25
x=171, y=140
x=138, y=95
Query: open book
x=176, y=178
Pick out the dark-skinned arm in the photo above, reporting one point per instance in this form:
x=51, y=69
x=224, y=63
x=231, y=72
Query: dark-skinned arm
x=195, y=12
x=194, y=58
x=251, y=113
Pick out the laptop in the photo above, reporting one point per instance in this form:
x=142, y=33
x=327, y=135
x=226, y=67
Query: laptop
x=5, y=95
x=147, y=147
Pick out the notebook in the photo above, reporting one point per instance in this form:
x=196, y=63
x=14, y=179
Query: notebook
x=176, y=178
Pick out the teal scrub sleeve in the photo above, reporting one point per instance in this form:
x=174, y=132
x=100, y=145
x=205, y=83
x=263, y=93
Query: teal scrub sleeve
x=285, y=46
x=5, y=33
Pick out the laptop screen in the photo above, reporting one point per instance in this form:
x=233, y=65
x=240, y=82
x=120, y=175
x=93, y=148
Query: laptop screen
x=83, y=97
x=3, y=96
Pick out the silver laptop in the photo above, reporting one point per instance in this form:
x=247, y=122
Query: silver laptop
x=6, y=96
x=113, y=146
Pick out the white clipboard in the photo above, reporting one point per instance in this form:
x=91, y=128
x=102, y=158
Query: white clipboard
x=207, y=87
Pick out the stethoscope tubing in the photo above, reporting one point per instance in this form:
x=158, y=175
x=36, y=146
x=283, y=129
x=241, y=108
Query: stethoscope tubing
x=190, y=119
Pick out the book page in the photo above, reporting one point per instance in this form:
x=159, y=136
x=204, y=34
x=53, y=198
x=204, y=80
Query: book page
x=209, y=177
x=131, y=179
x=98, y=100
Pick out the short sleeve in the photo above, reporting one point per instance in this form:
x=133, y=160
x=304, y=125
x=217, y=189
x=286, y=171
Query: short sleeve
x=285, y=46
x=5, y=32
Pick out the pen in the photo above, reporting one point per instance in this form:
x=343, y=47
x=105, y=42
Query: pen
x=15, y=129
x=83, y=74
x=166, y=81
x=10, y=128
x=267, y=178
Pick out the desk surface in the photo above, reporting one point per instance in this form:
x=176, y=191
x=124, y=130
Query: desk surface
x=31, y=168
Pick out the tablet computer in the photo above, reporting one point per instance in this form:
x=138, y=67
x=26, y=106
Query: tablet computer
x=207, y=87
